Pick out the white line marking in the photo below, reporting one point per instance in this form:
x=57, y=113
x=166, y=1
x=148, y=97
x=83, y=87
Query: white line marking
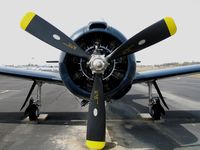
x=5, y=91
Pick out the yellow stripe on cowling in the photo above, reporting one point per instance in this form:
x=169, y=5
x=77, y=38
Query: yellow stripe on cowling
x=95, y=144
x=26, y=20
x=171, y=25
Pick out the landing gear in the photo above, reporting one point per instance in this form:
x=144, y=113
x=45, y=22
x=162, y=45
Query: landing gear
x=33, y=108
x=155, y=108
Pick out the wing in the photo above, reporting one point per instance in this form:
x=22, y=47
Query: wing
x=48, y=77
x=165, y=73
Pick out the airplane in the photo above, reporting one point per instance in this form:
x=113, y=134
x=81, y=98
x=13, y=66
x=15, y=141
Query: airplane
x=97, y=64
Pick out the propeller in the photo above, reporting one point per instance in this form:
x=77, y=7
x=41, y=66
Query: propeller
x=96, y=116
x=149, y=36
x=46, y=32
x=98, y=63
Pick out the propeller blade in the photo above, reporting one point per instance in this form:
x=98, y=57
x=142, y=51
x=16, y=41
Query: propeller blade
x=160, y=94
x=29, y=94
x=46, y=32
x=96, y=116
x=149, y=36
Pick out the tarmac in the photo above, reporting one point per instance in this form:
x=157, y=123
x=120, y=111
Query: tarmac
x=128, y=125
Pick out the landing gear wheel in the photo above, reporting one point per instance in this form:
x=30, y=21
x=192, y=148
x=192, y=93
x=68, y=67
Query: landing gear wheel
x=33, y=113
x=156, y=109
x=155, y=112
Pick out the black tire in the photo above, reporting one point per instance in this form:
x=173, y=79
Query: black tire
x=155, y=112
x=33, y=113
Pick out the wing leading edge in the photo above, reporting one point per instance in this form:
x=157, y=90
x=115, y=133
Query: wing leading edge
x=165, y=73
x=48, y=77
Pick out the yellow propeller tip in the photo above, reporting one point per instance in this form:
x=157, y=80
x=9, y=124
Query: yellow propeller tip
x=26, y=20
x=95, y=144
x=171, y=25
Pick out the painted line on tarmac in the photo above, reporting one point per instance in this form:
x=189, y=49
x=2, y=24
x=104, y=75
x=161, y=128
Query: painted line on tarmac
x=4, y=91
x=7, y=93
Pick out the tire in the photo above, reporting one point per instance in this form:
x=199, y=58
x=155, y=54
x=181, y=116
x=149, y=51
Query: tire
x=155, y=112
x=33, y=113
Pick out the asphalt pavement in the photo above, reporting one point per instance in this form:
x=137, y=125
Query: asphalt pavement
x=65, y=125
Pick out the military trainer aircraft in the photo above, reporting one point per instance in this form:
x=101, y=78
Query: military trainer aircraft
x=97, y=64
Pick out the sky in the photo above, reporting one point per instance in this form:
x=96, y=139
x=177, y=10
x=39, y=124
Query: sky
x=128, y=16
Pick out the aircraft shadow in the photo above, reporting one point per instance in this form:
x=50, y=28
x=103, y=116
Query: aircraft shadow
x=169, y=133
x=126, y=127
x=57, y=118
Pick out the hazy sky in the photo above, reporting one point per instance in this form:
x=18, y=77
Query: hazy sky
x=128, y=16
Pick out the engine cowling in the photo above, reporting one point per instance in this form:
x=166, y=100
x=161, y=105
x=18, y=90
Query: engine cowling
x=76, y=73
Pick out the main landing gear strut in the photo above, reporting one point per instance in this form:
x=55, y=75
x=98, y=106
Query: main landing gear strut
x=155, y=108
x=34, y=104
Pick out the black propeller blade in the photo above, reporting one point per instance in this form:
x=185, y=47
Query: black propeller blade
x=96, y=116
x=46, y=32
x=149, y=36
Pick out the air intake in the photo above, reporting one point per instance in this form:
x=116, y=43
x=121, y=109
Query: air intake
x=97, y=25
